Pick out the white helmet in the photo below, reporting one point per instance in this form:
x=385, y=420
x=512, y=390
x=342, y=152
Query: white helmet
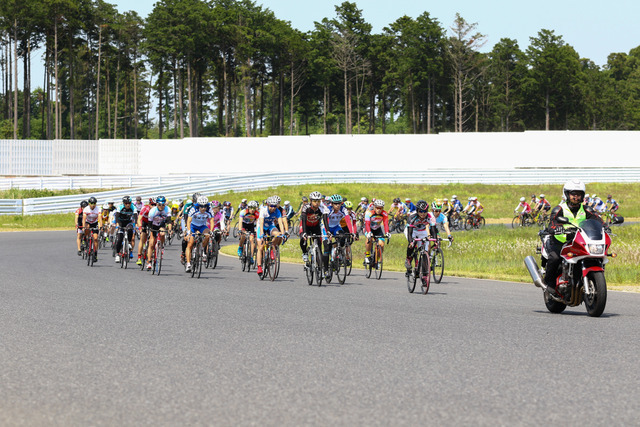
x=542, y=196
x=454, y=197
x=573, y=185
x=379, y=203
x=286, y=203
x=315, y=195
x=277, y=199
x=253, y=204
x=202, y=200
x=105, y=206
x=522, y=199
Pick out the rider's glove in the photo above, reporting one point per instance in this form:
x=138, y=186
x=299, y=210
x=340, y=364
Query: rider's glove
x=387, y=235
x=450, y=237
x=304, y=236
x=369, y=235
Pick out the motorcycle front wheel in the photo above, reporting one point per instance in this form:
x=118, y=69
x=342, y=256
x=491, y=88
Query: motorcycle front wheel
x=596, y=299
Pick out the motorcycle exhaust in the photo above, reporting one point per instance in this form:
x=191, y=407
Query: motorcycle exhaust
x=532, y=266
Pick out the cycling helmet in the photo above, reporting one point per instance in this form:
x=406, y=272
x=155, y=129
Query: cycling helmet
x=305, y=199
x=244, y=200
x=277, y=199
x=315, y=196
x=436, y=206
x=189, y=202
x=533, y=196
x=446, y=200
x=454, y=197
x=522, y=199
x=364, y=199
x=253, y=204
x=573, y=185
x=111, y=202
x=126, y=199
x=195, y=196
x=214, y=203
x=287, y=203
x=327, y=199
x=92, y=200
x=161, y=199
x=84, y=204
x=379, y=203
x=348, y=205
x=593, y=196
x=406, y=200
x=336, y=198
x=475, y=199
x=202, y=200
x=422, y=206
x=105, y=207
x=542, y=196
x=608, y=196
x=227, y=203
x=152, y=201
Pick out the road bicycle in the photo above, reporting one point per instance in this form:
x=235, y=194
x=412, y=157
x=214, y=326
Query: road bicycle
x=248, y=257
x=213, y=250
x=125, y=250
x=429, y=261
x=338, y=258
x=235, y=230
x=474, y=222
x=197, y=255
x=456, y=222
x=396, y=225
x=225, y=233
x=158, y=253
x=376, y=259
x=313, y=268
x=522, y=220
x=270, y=259
x=91, y=254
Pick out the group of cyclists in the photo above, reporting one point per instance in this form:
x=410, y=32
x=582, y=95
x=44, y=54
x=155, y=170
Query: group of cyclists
x=540, y=206
x=319, y=217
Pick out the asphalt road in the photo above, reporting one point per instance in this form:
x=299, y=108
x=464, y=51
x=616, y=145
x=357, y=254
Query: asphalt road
x=103, y=346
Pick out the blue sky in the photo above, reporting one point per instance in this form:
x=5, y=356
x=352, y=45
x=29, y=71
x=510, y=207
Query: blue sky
x=594, y=28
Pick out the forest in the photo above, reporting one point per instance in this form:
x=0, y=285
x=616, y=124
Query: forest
x=196, y=68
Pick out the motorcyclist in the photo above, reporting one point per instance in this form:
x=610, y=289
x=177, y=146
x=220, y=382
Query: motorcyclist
x=572, y=209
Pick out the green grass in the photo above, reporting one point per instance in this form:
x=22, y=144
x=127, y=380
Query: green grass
x=16, y=193
x=37, y=222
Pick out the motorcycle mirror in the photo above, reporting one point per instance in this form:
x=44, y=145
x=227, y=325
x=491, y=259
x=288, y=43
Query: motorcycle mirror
x=562, y=220
x=618, y=220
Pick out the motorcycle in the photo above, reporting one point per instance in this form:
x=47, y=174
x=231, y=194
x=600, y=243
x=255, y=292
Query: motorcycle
x=581, y=278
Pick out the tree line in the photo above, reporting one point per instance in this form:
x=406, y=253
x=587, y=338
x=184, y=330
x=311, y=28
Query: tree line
x=231, y=68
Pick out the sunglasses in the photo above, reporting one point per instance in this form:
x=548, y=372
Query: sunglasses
x=273, y=206
x=336, y=204
x=422, y=211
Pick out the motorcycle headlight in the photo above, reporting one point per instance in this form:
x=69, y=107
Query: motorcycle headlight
x=596, y=249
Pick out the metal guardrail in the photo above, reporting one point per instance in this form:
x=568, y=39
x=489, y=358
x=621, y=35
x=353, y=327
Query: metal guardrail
x=220, y=185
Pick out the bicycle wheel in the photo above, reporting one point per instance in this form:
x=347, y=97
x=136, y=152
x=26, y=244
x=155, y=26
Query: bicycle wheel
x=194, y=259
x=159, y=257
x=412, y=278
x=276, y=261
x=424, y=273
x=318, y=266
x=201, y=259
x=126, y=251
x=348, y=257
x=515, y=222
x=468, y=224
x=368, y=268
x=235, y=230
x=379, y=262
x=309, y=267
x=341, y=272
x=331, y=267
x=437, y=265
x=481, y=223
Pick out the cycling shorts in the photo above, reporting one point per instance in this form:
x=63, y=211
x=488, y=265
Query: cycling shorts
x=267, y=229
x=251, y=228
x=378, y=233
x=198, y=228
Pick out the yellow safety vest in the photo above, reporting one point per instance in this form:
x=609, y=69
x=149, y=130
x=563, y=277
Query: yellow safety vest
x=575, y=220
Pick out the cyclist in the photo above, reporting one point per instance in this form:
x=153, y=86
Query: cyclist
x=288, y=210
x=349, y=205
x=184, y=216
x=199, y=220
x=398, y=210
x=598, y=205
x=217, y=220
x=92, y=220
x=410, y=206
x=526, y=209
x=242, y=206
x=227, y=211
x=376, y=223
x=611, y=204
x=175, y=208
x=334, y=217
x=138, y=204
x=126, y=214
x=363, y=205
x=143, y=227
x=270, y=215
x=158, y=216
x=436, y=207
x=534, y=201
x=79, y=218
x=478, y=209
x=418, y=227
x=304, y=202
x=247, y=222
x=543, y=204
x=312, y=222
x=104, y=216
x=457, y=205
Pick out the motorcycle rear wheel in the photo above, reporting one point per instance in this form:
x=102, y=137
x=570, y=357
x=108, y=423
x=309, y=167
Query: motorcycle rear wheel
x=552, y=305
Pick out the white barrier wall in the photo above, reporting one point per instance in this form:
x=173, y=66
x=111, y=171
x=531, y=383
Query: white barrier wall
x=535, y=149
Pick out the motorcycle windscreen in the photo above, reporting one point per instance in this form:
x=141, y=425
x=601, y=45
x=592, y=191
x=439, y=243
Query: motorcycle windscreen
x=593, y=229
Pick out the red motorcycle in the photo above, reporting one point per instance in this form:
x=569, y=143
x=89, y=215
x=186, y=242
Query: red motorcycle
x=581, y=278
